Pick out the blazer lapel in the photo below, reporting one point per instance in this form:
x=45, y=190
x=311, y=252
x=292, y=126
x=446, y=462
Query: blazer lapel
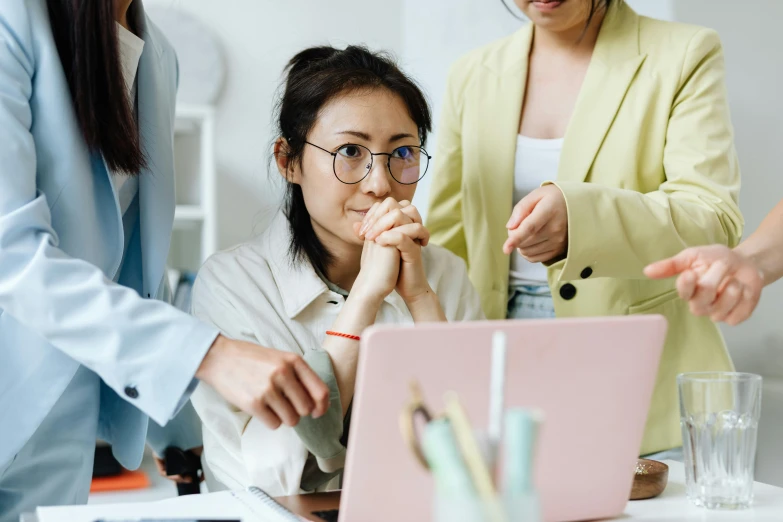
x=156, y=183
x=615, y=62
x=501, y=94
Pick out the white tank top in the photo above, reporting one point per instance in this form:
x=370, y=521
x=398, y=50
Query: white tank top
x=536, y=162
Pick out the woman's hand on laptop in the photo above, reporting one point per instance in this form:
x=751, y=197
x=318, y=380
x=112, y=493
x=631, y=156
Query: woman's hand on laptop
x=275, y=386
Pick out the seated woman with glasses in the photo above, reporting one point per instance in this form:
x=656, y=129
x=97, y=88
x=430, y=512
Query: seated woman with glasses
x=351, y=126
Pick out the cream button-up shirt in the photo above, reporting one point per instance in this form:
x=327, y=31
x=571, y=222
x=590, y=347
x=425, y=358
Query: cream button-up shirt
x=255, y=292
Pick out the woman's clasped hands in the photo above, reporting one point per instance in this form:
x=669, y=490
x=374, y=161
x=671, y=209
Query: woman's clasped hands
x=393, y=236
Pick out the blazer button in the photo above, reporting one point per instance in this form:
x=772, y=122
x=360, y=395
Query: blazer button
x=568, y=291
x=587, y=272
x=132, y=392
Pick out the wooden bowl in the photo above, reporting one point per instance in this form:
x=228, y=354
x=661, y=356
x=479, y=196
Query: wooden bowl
x=650, y=479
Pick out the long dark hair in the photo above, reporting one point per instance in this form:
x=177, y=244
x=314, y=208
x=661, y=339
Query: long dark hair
x=595, y=7
x=314, y=77
x=85, y=33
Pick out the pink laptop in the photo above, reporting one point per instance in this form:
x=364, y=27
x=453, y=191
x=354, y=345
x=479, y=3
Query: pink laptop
x=593, y=379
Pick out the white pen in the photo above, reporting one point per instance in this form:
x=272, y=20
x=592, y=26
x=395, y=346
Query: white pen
x=496, y=390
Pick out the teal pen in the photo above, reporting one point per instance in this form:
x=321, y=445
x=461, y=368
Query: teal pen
x=439, y=446
x=521, y=431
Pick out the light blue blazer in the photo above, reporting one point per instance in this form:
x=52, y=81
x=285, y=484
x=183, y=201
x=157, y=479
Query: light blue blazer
x=61, y=245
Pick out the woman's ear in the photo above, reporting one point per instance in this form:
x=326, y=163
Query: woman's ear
x=285, y=165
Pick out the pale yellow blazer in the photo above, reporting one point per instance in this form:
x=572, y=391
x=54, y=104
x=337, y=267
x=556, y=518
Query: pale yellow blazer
x=648, y=167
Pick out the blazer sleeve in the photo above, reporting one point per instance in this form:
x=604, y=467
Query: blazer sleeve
x=617, y=232
x=125, y=339
x=444, y=218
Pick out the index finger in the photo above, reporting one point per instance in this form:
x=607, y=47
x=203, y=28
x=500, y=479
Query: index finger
x=315, y=387
x=414, y=231
x=672, y=266
x=522, y=210
x=526, y=231
x=367, y=218
x=377, y=211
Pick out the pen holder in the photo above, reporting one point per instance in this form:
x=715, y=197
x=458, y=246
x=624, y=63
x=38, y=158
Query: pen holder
x=523, y=508
x=467, y=508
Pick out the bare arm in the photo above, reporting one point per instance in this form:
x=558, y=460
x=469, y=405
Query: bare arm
x=765, y=246
x=426, y=308
x=357, y=314
x=725, y=284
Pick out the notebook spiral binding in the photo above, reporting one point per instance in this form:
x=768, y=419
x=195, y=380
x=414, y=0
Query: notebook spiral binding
x=280, y=513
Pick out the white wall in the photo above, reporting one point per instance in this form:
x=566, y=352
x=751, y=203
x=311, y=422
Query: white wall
x=753, y=45
x=440, y=32
x=258, y=37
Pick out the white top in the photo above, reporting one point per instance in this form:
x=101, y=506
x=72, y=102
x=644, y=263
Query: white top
x=131, y=47
x=255, y=293
x=536, y=162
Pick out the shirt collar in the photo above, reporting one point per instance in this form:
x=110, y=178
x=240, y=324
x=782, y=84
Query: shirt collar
x=297, y=280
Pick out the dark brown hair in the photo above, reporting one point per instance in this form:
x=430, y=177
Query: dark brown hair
x=85, y=33
x=314, y=77
x=595, y=6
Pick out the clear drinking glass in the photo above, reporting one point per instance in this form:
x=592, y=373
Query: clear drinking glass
x=719, y=416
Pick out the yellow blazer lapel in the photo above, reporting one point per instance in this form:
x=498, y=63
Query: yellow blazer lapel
x=615, y=62
x=501, y=94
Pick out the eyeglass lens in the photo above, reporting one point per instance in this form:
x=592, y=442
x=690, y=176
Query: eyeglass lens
x=407, y=164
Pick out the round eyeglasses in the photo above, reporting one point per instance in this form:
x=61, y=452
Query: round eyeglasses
x=406, y=164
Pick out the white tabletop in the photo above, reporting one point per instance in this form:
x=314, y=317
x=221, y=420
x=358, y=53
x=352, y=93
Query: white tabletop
x=671, y=506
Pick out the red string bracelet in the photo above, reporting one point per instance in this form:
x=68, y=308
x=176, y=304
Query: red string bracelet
x=347, y=336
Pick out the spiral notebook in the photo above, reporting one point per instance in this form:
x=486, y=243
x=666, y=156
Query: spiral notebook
x=265, y=506
x=252, y=505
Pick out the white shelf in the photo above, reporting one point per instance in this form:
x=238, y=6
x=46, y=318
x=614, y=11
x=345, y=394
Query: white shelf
x=194, y=112
x=195, y=216
x=190, y=117
x=188, y=213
